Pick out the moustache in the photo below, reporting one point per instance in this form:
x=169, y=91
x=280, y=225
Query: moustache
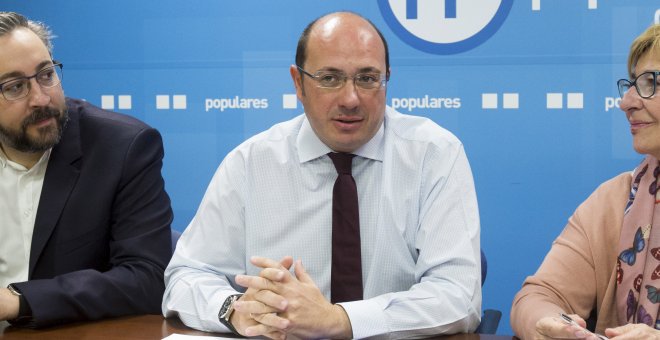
x=41, y=114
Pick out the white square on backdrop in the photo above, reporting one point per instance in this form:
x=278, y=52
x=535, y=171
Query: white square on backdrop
x=593, y=4
x=179, y=102
x=108, y=102
x=489, y=100
x=554, y=100
x=124, y=102
x=162, y=102
x=510, y=101
x=289, y=101
x=575, y=100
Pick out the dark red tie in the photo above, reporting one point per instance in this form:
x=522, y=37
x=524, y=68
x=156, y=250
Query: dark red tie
x=346, y=277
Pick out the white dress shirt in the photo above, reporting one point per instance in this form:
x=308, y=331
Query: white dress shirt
x=20, y=190
x=272, y=196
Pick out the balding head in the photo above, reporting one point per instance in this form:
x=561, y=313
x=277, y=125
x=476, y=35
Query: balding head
x=324, y=26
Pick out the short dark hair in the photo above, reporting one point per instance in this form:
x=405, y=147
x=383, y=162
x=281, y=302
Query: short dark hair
x=301, y=50
x=10, y=21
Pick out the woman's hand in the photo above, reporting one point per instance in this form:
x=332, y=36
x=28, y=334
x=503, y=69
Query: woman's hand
x=632, y=331
x=556, y=328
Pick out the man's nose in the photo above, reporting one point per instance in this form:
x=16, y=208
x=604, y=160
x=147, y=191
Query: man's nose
x=37, y=95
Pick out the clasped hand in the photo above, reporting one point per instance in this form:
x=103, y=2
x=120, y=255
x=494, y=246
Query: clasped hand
x=278, y=304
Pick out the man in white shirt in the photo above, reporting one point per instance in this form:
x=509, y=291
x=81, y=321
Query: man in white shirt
x=84, y=216
x=271, y=202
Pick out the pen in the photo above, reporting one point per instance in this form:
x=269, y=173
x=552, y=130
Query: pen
x=567, y=319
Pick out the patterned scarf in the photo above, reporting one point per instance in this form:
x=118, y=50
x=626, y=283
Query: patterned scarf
x=638, y=264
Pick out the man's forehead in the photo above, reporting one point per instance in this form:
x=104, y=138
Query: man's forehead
x=342, y=25
x=22, y=51
x=353, y=42
x=326, y=28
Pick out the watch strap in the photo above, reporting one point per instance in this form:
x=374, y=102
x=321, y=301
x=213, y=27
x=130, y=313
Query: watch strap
x=24, y=317
x=227, y=310
x=13, y=290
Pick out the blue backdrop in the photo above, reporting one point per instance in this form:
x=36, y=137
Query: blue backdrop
x=532, y=95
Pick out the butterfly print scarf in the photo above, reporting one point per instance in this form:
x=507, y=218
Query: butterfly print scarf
x=638, y=264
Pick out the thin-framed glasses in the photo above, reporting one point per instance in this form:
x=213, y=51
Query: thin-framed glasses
x=18, y=88
x=337, y=80
x=645, y=84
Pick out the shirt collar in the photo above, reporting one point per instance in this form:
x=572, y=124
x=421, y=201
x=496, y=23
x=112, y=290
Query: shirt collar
x=3, y=158
x=311, y=147
x=5, y=161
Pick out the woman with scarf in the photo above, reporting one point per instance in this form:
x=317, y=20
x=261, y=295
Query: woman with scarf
x=605, y=265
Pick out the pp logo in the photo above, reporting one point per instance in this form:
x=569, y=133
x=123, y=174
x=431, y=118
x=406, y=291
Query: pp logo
x=444, y=26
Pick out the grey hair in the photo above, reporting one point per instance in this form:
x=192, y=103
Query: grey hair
x=10, y=21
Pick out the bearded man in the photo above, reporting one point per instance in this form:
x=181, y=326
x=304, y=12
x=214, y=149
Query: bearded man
x=84, y=216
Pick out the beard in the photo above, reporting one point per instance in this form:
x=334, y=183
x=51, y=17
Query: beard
x=47, y=136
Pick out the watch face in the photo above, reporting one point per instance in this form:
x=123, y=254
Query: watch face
x=225, y=306
x=225, y=310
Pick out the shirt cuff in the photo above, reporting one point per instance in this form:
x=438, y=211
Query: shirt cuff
x=367, y=318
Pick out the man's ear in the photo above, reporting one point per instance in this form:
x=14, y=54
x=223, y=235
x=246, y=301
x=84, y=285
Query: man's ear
x=296, y=76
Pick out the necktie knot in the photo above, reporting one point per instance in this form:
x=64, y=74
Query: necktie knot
x=342, y=161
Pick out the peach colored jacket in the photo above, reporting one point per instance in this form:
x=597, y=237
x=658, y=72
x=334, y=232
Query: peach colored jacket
x=578, y=274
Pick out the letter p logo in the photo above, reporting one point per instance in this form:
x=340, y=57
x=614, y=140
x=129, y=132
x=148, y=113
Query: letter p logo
x=444, y=26
x=411, y=9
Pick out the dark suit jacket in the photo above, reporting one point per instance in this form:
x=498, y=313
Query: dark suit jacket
x=101, y=237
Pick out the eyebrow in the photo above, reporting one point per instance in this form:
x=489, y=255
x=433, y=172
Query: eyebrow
x=369, y=69
x=330, y=69
x=18, y=74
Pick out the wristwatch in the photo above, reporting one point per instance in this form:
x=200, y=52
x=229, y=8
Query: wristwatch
x=226, y=310
x=24, y=311
x=13, y=290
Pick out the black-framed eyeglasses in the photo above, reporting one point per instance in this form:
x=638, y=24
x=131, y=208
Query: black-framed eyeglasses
x=18, y=88
x=336, y=80
x=645, y=84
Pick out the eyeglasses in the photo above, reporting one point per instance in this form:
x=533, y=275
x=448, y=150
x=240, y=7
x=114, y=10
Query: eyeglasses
x=645, y=84
x=337, y=80
x=19, y=88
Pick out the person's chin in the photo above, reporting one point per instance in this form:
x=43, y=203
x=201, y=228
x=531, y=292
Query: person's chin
x=644, y=149
x=46, y=136
x=347, y=145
